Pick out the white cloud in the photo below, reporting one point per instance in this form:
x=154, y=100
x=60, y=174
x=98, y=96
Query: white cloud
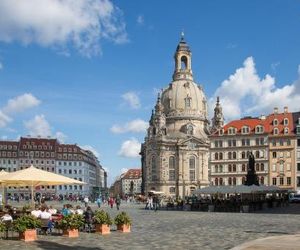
x=140, y=19
x=4, y=119
x=135, y=126
x=245, y=93
x=130, y=148
x=38, y=126
x=132, y=99
x=61, y=137
x=21, y=103
x=92, y=149
x=15, y=105
x=58, y=23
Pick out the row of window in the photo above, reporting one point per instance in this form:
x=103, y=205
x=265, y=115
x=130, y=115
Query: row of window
x=70, y=187
x=233, y=143
x=232, y=181
x=70, y=163
x=280, y=167
x=282, y=181
x=192, y=168
x=281, y=154
x=8, y=147
x=70, y=171
x=281, y=142
x=246, y=130
x=234, y=155
x=232, y=168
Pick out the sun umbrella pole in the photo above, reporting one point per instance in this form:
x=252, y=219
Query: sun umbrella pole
x=32, y=199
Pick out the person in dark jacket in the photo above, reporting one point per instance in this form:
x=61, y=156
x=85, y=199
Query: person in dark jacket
x=88, y=218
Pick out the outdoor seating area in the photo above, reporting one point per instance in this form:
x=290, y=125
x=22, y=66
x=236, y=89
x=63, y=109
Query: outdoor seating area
x=239, y=198
x=50, y=221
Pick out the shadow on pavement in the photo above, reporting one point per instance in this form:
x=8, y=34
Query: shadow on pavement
x=54, y=245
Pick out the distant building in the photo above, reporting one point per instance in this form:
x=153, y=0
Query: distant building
x=128, y=183
x=132, y=182
x=48, y=154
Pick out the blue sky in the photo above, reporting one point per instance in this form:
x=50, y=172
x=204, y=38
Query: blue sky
x=88, y=71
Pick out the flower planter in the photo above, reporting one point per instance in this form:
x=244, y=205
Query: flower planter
x=124, y=228
x=211, y=208
x=28, y=235
x=71, y=233
x=102, y=228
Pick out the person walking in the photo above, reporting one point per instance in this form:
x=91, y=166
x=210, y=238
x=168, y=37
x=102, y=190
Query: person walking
x=86, y=201
x=118, y=202
x=88, y=218
x=111, y=202
x=99, y=202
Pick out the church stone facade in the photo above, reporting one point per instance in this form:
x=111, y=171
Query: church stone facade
x=176, y=149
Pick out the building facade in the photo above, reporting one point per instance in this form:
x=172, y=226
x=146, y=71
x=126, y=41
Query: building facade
x=48, y=154
x=131, y=182
x=296, y=118
x=282, y=149
x=271, y=139
x=175, y=151
x=230, y=148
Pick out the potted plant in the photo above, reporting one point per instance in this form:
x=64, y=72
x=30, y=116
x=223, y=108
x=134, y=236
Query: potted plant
x=123, y=222
x=26, y=225
x=26, y=209
x=2, y=227
x=102, y=222
x=70, y=225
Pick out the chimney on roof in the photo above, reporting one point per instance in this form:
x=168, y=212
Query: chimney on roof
x=285, y=109
x=28, y=136
x=263, y=117
x=275, y=111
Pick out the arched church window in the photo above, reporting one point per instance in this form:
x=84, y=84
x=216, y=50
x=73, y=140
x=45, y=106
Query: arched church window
x=234, y=181
x=190, y=130
x=172, y=168
x=153, y=168
x=192, y=167
x=216, y=156
x=217, y=182
x=188, y=102
x=230, y=181
x=183, y=62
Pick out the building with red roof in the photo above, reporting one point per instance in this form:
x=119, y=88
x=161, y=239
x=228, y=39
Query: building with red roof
x=272, y=140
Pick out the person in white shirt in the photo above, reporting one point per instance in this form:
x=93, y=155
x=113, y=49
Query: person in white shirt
x=79, y=210
x=86, y=201
x=45, y=215
x=52, y=210
x=36, y=212
x=6, y=217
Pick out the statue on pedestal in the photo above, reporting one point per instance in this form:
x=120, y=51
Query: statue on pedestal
x=251, y=178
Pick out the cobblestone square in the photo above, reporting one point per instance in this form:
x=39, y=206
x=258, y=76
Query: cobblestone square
x=177, y=230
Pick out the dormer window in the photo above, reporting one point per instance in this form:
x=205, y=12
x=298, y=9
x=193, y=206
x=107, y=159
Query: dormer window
x=285, y=121
x=275, y=131
x=231, y=131
x=259, y=129
x=286, y=131
x=275, y=122
x=188, y=102
x=245, y=130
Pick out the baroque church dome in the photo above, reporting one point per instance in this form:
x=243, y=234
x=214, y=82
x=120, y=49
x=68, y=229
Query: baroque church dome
x=184, y=98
